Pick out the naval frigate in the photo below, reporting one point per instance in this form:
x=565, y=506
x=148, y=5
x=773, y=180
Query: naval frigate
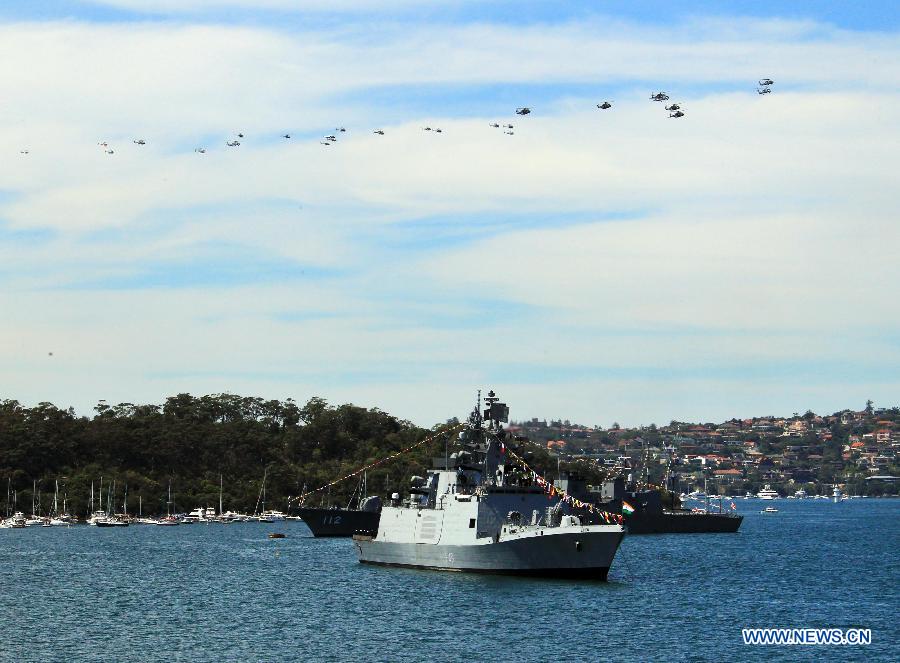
x=477, y=512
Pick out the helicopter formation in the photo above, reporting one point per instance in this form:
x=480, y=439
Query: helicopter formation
x=675, y=111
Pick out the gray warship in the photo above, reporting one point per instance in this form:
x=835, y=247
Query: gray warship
x=477, y=513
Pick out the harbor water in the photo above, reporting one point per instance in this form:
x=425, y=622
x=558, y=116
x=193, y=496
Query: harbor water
x=212, y=592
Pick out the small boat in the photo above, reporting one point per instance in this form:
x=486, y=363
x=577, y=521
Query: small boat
x=767, y=493
x=769, y=509
x=276, y=535
x=168, y=521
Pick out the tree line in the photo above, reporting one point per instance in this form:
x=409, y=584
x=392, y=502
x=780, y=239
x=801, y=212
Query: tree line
x=191, y=441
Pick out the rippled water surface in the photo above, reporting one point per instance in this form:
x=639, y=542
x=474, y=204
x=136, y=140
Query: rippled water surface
x=227, y=592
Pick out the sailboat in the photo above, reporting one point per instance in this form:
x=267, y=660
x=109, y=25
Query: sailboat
x=169, y=520
x=99, y=514
x=111, y=519
x=260, y=515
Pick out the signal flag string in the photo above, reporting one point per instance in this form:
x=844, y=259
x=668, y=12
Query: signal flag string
x=430, y=438
x=552, y=491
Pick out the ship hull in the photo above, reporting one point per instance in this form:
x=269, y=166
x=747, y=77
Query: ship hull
x=682, y=523
x=579, y=554
x=339, y=522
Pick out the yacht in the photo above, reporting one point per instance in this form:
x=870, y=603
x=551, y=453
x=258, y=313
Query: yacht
x=800, y=494
x=17, y=521
x=749, y=496
x=836, y=494
x=273, y=515
x=201, y=515
x=767, y=493
x=96, y=517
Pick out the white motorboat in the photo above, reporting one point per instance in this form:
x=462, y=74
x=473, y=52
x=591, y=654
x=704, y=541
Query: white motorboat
x=769, y=509
x=767, y=493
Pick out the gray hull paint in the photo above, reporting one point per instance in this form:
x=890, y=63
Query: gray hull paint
x=569, y=554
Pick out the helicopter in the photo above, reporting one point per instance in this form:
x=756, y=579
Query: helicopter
x=508, y=126
x=437, y=131
x=341, y=129
x=139, y=141
x=764, y=90
x=523, y=111
x=286, y=136
x=324, y=142
x=200, y=150
x=495, y=125
x=767, y=81
x=673, y=107
x=103, y=143
x=509, y=133
x=110, y=151
x=677, y=113
x=604, y=105
x=23, y=151
x=380, y=132
x=426, y=128
x=331, y=138
x=233, y=143
x=659, y=96
x=240, y=135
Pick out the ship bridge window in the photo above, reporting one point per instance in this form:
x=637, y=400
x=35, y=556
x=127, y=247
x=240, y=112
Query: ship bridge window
x=471, y=523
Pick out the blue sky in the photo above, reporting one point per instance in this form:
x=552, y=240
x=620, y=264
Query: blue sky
x=595, y=265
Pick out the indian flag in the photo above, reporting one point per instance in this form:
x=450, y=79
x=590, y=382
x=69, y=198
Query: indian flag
x=627, y=509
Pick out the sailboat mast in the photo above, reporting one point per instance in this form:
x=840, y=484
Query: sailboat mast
x=33, y=491
x=55, y=499
x=220, y=493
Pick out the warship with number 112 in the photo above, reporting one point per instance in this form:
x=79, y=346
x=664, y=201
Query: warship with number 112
x=477, y=513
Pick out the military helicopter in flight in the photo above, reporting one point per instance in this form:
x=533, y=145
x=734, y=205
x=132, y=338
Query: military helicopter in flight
x=332, y=138
x=677, y=113
x=380, y=132
x=523, y=111
x=23, y=151
x=495, y=125
x=764, y=90
x=509, y=132
x=341, y=129
x=200, y=150
x=139, y=141
x=286, y=136
x=673, y=107
x=659, y=96
x=766, y=81
x=233, y=143
x=605, y=105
